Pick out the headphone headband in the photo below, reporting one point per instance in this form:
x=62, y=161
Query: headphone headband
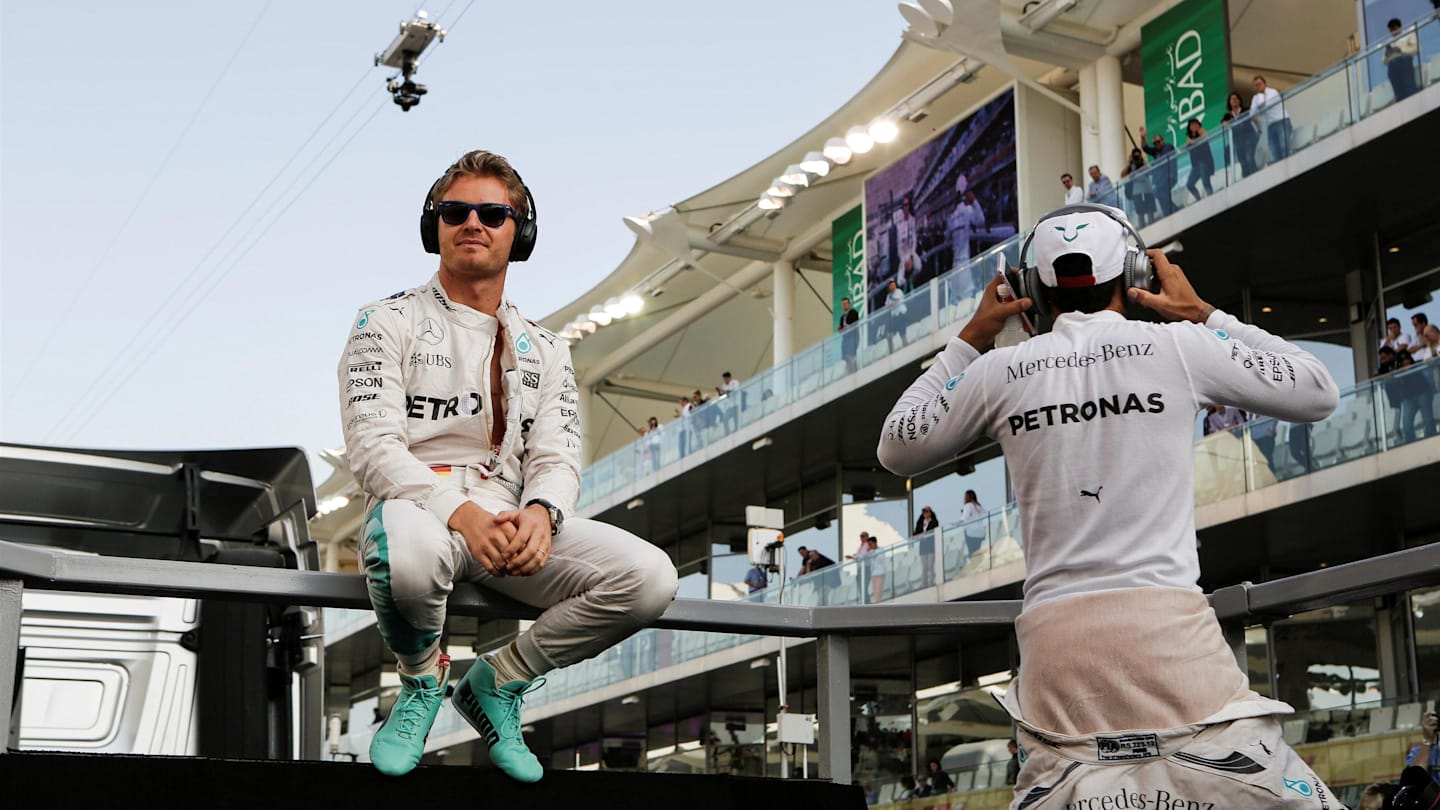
x=1081, y=208
x=525, y=230
x=1136, y=271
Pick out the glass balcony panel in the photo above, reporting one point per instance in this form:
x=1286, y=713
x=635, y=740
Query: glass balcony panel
x=1406, y=404
x=749, y=401
x=1428, y=59
x=1315, y=110
x=807, y=369
x=1220, y=463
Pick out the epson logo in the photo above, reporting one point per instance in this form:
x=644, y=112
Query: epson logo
x=365, y=368
x=439, y=360
x=363, y=398
x=365, y=382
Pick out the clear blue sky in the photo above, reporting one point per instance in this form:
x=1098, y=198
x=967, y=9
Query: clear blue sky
x=139, y=306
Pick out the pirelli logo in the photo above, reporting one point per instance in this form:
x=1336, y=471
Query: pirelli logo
x=364, y=368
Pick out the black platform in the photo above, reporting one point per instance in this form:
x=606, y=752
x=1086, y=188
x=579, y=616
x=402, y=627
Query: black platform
x=36, y=779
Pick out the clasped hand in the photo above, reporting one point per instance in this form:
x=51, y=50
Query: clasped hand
x=512, y=543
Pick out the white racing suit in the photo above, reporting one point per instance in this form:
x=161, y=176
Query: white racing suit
x=1127, y=695
x=418, y=410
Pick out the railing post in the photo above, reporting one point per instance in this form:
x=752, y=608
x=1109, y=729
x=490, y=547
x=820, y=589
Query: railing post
x=10, y=592
x=833, y=687
x=1232, y=607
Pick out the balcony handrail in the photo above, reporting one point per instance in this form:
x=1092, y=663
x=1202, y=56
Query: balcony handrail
x=44, y=568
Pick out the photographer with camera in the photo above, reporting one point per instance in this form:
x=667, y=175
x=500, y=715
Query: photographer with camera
x=1426, y=753
x=1128, y=694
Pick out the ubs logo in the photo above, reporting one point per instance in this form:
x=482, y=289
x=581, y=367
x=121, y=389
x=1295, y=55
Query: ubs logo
x=430, y=331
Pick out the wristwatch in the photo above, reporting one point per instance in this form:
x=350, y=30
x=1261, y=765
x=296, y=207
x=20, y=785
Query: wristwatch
x=557, y=518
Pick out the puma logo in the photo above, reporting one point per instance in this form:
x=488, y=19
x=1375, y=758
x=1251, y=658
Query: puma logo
x=1263, y=747
x=1095, y=494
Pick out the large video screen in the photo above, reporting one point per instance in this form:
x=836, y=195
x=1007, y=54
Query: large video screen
x=948, y=200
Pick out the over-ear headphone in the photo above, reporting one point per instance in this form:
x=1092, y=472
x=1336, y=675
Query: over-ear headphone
x=525, y=229
x=1137, y=270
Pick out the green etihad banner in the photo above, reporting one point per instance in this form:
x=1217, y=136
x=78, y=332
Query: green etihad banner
x=1186, y=57
x=847, y=239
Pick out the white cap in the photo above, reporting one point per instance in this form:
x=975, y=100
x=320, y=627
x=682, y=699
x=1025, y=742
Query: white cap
x=1091, y=233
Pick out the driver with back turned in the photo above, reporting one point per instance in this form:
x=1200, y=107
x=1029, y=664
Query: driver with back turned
x=1128, y=695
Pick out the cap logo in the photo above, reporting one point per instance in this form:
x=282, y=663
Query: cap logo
x=1078, y=228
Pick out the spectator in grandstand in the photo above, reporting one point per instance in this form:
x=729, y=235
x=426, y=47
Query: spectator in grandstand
x=1426, y=753
x=1106, y=512
x=879, y=565
x=861, y=557
x=1399, y=59
x=940, y=781
x=965, y=220
x=970, y=513
x=1416, y=394
x=1101, y=190
x=1220, y=418
x=1418, y=322
x=1275, y=120
x=1243, y=137
x=730, y=400
x=848, y=318
x=812, y=561
x=1012, y=768
x=1072, y=192
x=1202, y=160
x=922, y=785
x=1163, y=155
x=755, y=579
x=458, y=490
x=683, y=424
x=650, y=445
x=925, y=526
x=1139, y=190
x=1394, y=339
x=1429, y=344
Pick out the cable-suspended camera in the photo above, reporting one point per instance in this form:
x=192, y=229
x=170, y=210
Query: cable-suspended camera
x=414, y=37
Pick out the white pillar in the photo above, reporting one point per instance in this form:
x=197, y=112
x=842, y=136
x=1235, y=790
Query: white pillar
x=1089, y=124
x=784, y=339
x=1111, y=109
x=587, y=442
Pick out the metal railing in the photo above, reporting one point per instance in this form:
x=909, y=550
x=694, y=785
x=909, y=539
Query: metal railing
x=832, y=627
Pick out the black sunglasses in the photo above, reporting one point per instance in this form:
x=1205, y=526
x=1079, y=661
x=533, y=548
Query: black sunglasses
x=492, y=215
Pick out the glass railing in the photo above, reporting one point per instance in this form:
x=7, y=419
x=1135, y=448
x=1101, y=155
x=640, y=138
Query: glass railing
x=1310, y=112
x=1373, y=416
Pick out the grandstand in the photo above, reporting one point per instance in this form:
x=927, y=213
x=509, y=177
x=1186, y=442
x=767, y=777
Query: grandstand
x=1318, y=242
